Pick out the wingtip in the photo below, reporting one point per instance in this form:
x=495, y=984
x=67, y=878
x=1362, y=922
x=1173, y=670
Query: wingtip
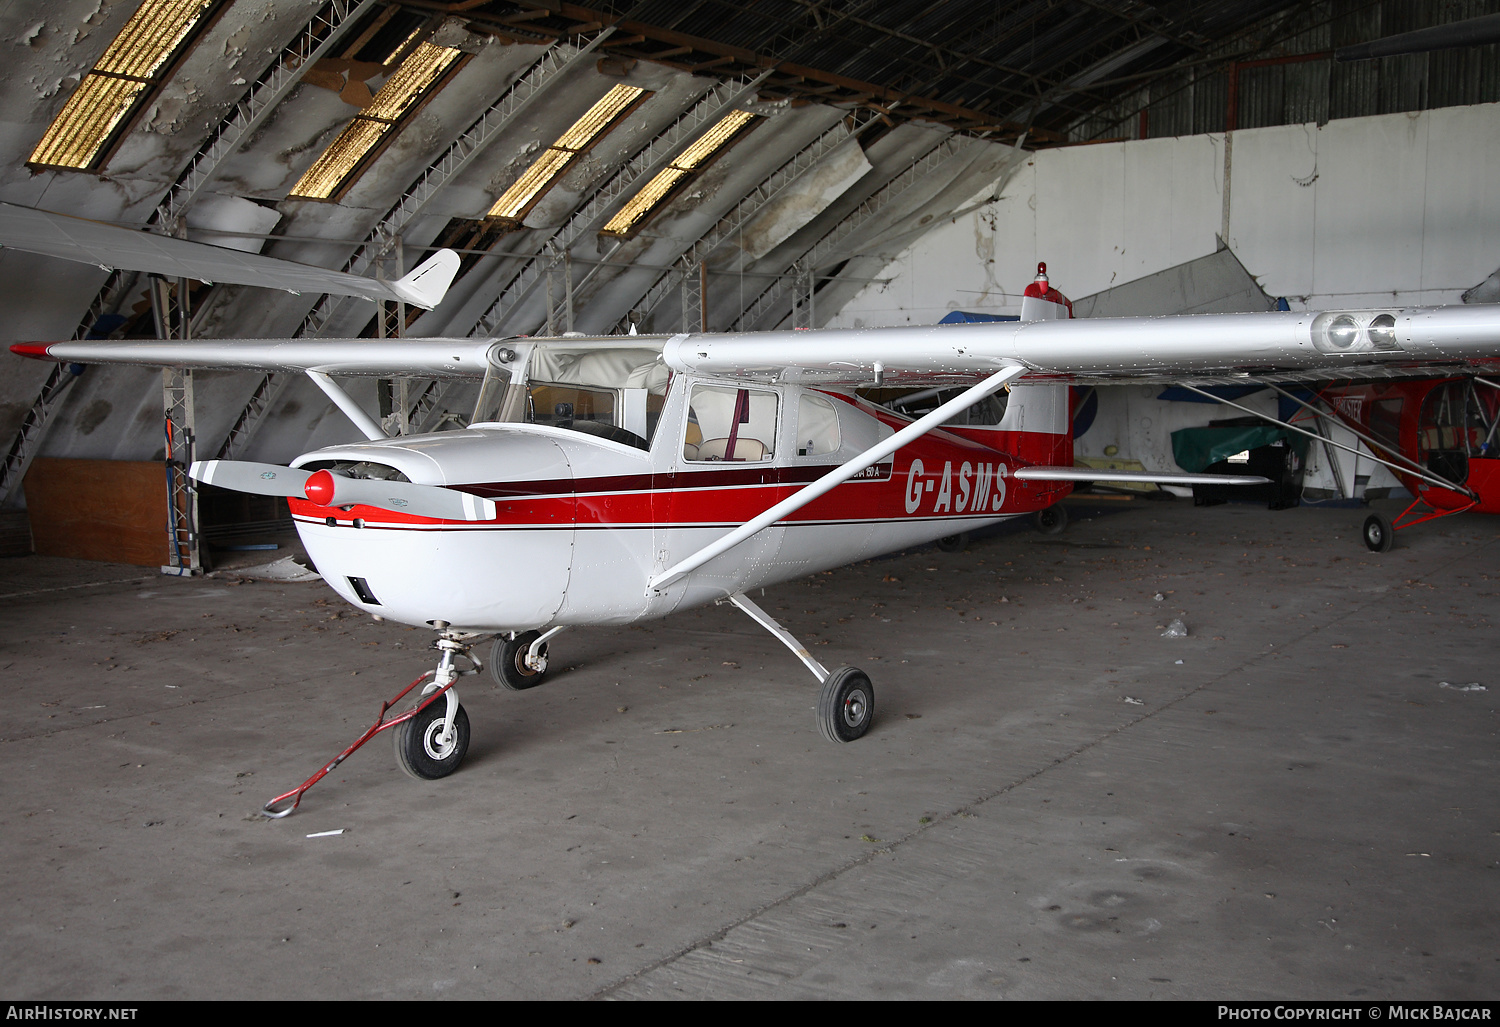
x=35, y=350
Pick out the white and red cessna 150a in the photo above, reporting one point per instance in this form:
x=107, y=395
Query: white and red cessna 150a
x=613, y=480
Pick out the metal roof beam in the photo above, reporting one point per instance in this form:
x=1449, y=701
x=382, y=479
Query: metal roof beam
x=918, y=106
x=817, y=254
x=490, y=125
x=768, y=189
x=601, y=205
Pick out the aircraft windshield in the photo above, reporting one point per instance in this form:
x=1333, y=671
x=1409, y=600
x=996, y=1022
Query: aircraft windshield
x=611, y=390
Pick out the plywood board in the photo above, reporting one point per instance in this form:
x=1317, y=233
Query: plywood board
x=111, y=510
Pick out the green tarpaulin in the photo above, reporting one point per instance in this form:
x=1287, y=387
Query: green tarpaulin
x=1195, y=448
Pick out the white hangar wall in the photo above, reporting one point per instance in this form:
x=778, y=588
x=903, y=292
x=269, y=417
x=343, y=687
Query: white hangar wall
x=1399, y=208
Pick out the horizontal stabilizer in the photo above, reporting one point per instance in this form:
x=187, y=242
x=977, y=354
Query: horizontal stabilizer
x=111, y=246
x=1101, y=474
x=428, y=284
x=244, y=476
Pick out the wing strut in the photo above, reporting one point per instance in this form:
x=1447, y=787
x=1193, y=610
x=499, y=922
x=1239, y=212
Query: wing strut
x=341, y=399
x=836, y=477
x=1424, y=475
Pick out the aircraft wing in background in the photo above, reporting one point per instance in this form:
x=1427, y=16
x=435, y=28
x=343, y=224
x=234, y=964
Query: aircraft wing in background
x=110, y=247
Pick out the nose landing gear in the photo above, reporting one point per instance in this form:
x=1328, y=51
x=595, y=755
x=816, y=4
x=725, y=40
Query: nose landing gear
x=431, y=737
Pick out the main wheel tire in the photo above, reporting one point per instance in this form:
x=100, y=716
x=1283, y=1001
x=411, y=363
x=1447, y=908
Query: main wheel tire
x=846, y=705
x=418, y=753
x=1379, y=534
x=1050, y=521
x=508, y=662
x=953, y=543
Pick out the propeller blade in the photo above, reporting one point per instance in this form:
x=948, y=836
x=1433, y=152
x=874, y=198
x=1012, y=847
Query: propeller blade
x=244, y=476
x=328, y=489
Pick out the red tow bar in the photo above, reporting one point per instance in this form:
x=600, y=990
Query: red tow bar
x=380, y=725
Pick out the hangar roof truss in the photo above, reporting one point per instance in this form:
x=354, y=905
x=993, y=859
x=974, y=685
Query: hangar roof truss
x=417, y=79
x=556, y=159
x=679, y=171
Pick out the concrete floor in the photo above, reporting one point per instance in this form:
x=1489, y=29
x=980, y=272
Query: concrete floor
x=1054, y=801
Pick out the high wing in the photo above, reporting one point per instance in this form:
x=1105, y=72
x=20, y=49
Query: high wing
x=110, y=246
x=1201, y=348
x=430, y=358
x=1198, y=348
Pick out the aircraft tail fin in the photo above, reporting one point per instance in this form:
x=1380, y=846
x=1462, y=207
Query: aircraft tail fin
x=428, y=284
x=1041, y=302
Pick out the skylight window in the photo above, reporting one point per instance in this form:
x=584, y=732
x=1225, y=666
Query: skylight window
x=687, y=164
x=417, y=78
x=135, y=63
x=561, y=155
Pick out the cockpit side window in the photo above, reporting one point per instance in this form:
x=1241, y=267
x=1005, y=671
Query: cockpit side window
x=730, y=424
x=1452, y=429
x=817, y=426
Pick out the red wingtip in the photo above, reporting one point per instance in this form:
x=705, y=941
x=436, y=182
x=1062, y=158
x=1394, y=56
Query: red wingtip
x=38, y=350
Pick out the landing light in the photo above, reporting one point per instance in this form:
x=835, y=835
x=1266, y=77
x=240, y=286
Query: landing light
x=1343, y=332
x=1383, y=332
x=1356, y=331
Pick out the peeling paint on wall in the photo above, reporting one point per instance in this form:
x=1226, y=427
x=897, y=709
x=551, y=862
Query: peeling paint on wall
x=804, y=199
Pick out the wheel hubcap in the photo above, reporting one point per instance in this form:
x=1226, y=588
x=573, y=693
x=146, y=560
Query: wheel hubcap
x=856, y=704
x=430, y=741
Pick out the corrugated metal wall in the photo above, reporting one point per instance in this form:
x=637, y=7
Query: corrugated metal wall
x=1317, y=90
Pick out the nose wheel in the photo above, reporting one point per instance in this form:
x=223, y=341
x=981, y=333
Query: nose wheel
x=424, y=750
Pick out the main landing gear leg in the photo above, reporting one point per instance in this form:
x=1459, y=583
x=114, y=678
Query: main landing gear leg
x=846, y=704
x=431, y=737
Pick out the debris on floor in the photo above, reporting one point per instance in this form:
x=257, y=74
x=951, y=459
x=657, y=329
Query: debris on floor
x=1176, y=629
x=1472, y=686
x=285, y=569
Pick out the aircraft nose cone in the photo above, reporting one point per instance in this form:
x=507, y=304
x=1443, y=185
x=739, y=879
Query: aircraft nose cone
x=319, y=488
